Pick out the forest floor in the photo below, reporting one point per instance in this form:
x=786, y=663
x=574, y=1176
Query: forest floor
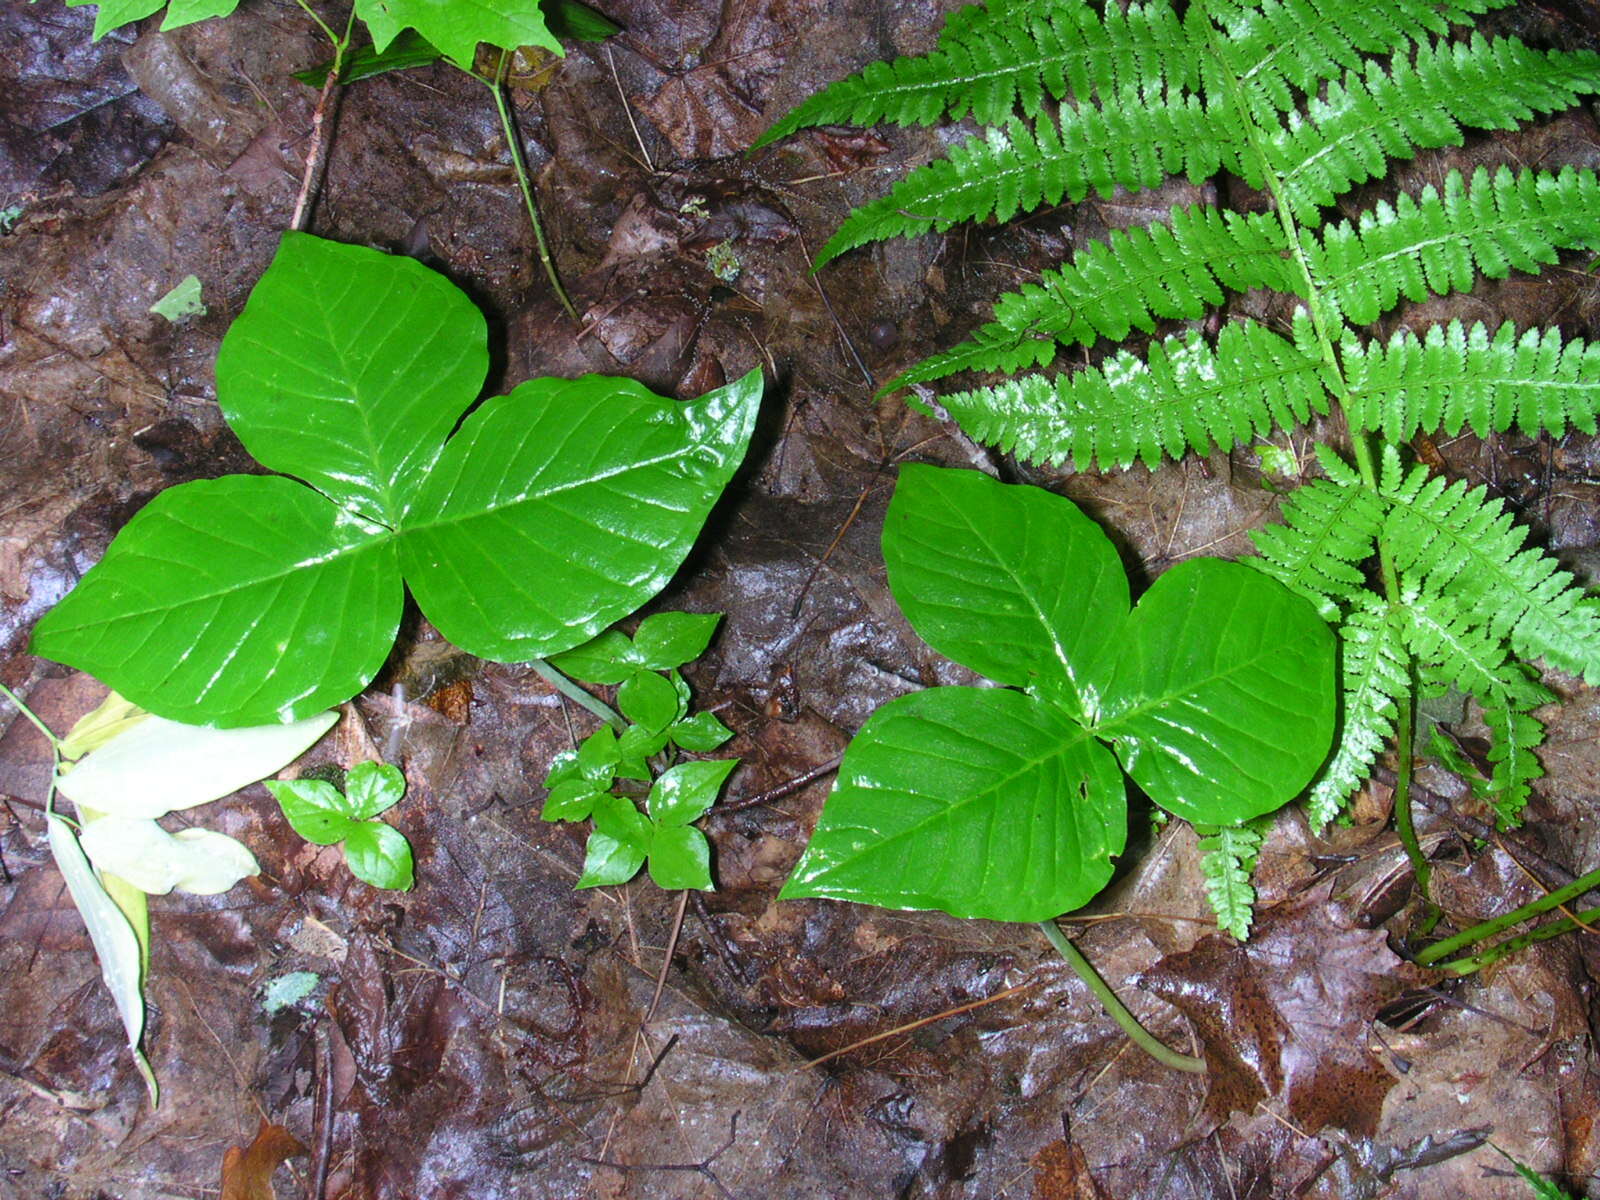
x=483, y=1035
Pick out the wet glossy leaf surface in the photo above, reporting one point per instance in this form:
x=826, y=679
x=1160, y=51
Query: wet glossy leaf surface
x=482, y=1037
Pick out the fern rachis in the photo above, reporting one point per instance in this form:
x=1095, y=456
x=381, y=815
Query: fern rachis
x=1304, y=101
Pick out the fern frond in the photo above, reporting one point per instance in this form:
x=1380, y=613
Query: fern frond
x=1277, y=48
x=1461, y=542
x=1345, y=138
x=1437, y=243
x=1372, y=674
x=1228, y=858
x=1184, y=396
x=1122, y=283
x=1452, y=652
x=1514, y=735
x=1329, y=526
x=1135, y=142
x=1014, y=53
x=1459, y=375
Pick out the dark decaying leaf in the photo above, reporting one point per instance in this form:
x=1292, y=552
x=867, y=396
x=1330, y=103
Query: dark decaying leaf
x=1286, y=1016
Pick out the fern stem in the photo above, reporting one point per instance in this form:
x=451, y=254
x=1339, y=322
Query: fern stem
x=1117, y=1010
x=497, y=88
x=1477, y=962
x=577, y=694
x=1488, y=929
x=1404, y=825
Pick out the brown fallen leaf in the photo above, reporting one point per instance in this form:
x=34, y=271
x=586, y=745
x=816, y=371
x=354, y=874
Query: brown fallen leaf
x=247, y=1172
x=1286, y=1015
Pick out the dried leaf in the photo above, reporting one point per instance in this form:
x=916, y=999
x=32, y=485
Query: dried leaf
x=247, y=1173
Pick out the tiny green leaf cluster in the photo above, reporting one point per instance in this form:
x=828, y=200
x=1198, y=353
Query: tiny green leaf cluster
x=377, y=852
x=1214, y=694
x=654, y=698
x=521, y=527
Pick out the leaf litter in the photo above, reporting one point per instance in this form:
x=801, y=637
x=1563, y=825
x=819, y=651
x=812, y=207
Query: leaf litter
x=480, y=1036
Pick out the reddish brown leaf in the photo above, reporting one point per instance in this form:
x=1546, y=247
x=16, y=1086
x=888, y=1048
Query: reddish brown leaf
x=247, y=1172
x=1286, y=1015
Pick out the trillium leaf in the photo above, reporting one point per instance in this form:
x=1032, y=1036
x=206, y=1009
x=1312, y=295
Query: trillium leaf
x=380, y=855
x=980, y=802
x=670, y=639
x=1219, y=698
x=237, y=601
x=456, y=28
x=348, y=368
x=683, y=793
x=202, y=862
x=680, y=858
x=562, y=507
x=371, y=788
x=158, y=766
x=1014, y=582
x=314, y=808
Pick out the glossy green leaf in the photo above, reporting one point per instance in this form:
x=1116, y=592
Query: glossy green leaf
x=649, y=700
x=155, y=766
x=607, y=861
x=680, y=858
x=371, y=788
x=348, y=368
x=597, y=757
x=408, y=50
x=314, y=808
x=114, y=14
x=670, y=639
x=1014, y=582
x=457, y=28
x=202, y=862
x=980, y=802
x=380, y=855
x=683, y=793
x=636, y=745
x=551, y=514
x=1219, y=692
x=572, y=21
x=559, y=509
x=606, y=658
x=245, y=600
x=571, y=800
x=701, y=733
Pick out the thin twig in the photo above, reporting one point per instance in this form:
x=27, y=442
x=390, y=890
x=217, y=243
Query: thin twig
x=787, y=788
x=666, y=959
x=306, y=200
x=915, y=1025
x=324, y=1117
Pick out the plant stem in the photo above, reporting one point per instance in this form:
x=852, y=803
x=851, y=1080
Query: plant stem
x=319, y=143
x=1476, y=962
x=55, y=747
x=1487, y=929
x=577, y=695
x=1404, y=826
x=497, y=89
x=1117, y=1010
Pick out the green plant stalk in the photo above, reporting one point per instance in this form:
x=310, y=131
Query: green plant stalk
x=55, y=747
x=497, y=88
x=578, y=695
x=1367, y=466
x=1477, y=962
x=1488, y=929
x=1117, y=1010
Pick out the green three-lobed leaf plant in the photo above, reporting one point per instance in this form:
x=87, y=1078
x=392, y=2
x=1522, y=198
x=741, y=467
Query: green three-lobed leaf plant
x=548, y=514
x=655, y=722
x=376, y=852
x=1428, y=583
x=1214, y=694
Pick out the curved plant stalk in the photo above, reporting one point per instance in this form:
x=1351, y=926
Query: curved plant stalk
x=1477, y=962
x=578, y=695
x=497, y=88
x=326, y=103
x=1115, y=1008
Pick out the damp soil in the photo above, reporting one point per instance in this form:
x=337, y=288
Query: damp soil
x=485, y=1035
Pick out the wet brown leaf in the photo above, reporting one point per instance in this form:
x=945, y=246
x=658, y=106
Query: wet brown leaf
x=1286, y=1016
x=247, y=1172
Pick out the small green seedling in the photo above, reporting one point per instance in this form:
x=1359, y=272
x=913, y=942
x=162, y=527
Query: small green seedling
x=655, y=723
x=377, y=853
